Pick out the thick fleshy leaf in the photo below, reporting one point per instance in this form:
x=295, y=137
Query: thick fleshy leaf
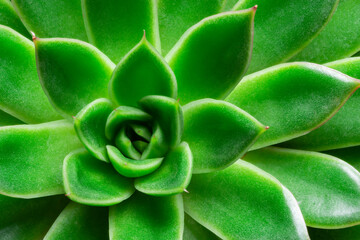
x=20, y=91
x=168, y=113
x=283, y=28
x=7, y=119
x=72, y=73
x=130, y=167
x=243, y=202
x=147, y=217
x=157, y=146
x=351, y=155
x=339, y=39
x=31, y=158
x=140, y=73
x=218, y=133
x=52, y=18
x=195, y=231
x=116, y=26
x=212, y=56
x=326, y=188
x=124, y=144
x=351, y=233
x=24, y=219
x=292, y=99
x=229, y=4
x=8, y=17
x=172, y=177
x=176, y=16
x=93, y=182
x=342, y=130
x=90, y=123
x=78, y=221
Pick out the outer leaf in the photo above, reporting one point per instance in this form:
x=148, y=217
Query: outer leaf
x=28, y=219
x=350, y=155
x=343, y=130
x=20, y=92
x=80, y=222
x=176, y=16
x=52, y=18
x=194, y=231
x=93, y=182
x=116, y=26
x=339, y=39
x=283, y=28
x=72, y=73
x=90, y=127
x=314, y=180
x=212, y=56
x=147, y=217
x=218, y=133
x=31, y=158
x=243, y=202
x=8, y=17
x=292, y=99
x=140, y=73
x=352, y=233
x=7, y=119
x=172, y=177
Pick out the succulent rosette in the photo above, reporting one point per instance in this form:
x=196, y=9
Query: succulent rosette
x=175, y=119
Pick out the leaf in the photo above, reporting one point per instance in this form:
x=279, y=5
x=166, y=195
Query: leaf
x=31, y=158
x=312, y=178
x=123, y=142
x=7, y=119
x=342, y=130
x=52, y=18
x=20, y=92
x=351, y=155
x=283, y=28
x=90, y=127
x=212, y=56
x=339, y=39
x=243, y=202
x=351, y=233
x=172, y=177
x=116, y=26
x=78, y=221
x=176, y=16
x=23, y=219
x=8, y=17
x=147, y=217
x=229, y=4
x=72, y=73
x=130, y=167
x=218, y=133
x=140, y=73
x=194, y=231
x=157, y=146
x=92, y=182
x=293, y=99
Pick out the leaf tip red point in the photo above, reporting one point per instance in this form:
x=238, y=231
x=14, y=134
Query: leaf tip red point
x=33, y=36
x=68, y=194
x=74, y=117
x=255, y=8
x=267, y=127
x=144, y=34
x=185, y=190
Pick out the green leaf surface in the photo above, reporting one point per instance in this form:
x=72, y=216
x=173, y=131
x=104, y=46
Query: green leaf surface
x=90, y=124
x=229, y=4
x=168, y=113
x=78, y=221
x=147, y=217
x=243, y=202
x=157, y=146
x=195, y=231
x=52, y=18
x=116, y=26
x=176, y=16
x=218, y=133
x=339, y=39
x=140, y=73
x=172, y=177
x=72, y=73
x=28, y=219
x=8, y=17
x=92, y=182
x=326, y=188
x=283, y=28
x=342, y=130
x=292, y=99
x=31, y=158
x=351, y=233
x=212, y=56
x=141, y=131
x=123, y=142
x=130, y=167
x=7, y=119
x=351, y=155
x=20, y=91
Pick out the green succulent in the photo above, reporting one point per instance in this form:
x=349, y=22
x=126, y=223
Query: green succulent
x=146, y=119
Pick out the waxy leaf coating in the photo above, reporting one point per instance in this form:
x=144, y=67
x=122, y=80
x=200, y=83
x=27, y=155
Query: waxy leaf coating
x=125, y=145
x=7, y=119
x=292, y=99
x=8, y=17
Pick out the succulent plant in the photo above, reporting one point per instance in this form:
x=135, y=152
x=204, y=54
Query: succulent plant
x=176, y=119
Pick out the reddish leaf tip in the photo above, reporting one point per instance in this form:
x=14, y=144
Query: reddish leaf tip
x=267, y=127
x=33, y=35
x=255, y=7
x=185, y=190
x=144, y=35
x=68, y=194
x=74, y=117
